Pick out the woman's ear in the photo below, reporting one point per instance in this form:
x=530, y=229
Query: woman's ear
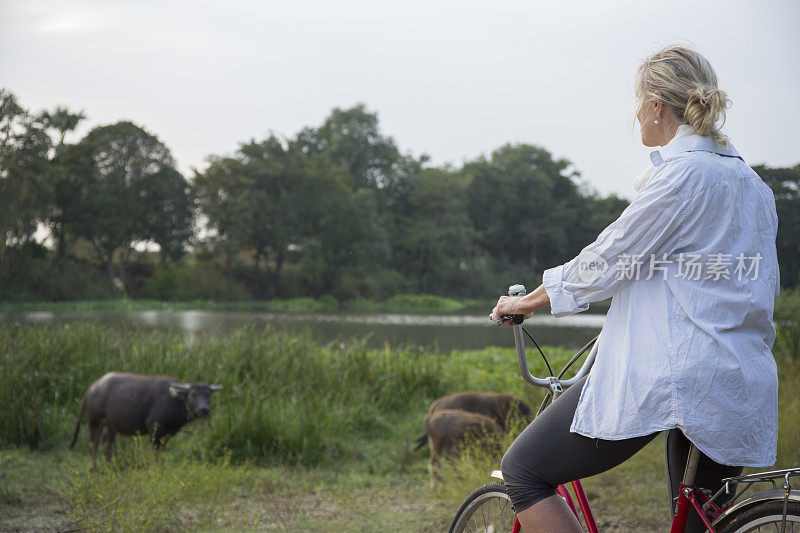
x=658, y=108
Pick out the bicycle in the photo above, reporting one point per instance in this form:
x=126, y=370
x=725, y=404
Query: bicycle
x=489, y=509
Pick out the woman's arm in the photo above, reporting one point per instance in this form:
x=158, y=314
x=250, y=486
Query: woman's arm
x=653, y=225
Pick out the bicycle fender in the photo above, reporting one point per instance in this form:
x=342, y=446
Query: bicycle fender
x=497, y=474
x=755, y=499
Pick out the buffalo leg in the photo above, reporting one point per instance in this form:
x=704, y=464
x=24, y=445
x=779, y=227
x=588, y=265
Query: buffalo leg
x=155, y=433
x=108, y=443
x=158, y=438
x=95, y=429
x=159, y=442
x=434, y=465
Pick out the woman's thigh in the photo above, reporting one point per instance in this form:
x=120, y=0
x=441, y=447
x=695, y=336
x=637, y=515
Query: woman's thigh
x=546, y=454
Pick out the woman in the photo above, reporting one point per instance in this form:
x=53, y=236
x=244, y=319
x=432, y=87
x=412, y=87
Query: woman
x=692, y=268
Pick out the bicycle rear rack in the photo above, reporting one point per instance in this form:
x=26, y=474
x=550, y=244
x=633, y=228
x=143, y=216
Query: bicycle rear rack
x=761, y=477
x=770, y=476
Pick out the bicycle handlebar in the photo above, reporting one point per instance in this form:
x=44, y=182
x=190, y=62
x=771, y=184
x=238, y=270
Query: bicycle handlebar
x=553, y=383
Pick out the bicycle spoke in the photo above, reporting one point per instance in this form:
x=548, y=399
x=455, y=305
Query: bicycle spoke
x=503, y=513
x=495, y=515
x=505, y=504
x=772, y=524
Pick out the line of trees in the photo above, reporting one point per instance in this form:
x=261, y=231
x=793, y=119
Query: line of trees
x=335, y=210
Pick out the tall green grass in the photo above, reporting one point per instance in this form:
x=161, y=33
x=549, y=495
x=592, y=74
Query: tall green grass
x=286, y=399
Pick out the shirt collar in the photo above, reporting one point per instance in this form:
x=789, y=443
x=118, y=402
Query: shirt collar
x=691, y=143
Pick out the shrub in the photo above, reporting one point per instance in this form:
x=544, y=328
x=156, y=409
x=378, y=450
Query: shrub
x=27, y=273
x=422, y=303
x=192, y=281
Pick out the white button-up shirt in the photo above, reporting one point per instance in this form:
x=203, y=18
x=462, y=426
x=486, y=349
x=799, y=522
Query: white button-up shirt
x=692, y=268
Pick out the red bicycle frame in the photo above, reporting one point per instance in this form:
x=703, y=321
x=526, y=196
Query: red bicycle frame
x=688, y=497
x=699, y=500
x=583, y=503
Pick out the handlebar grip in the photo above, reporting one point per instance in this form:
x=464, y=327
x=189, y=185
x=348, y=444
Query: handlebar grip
x=516, y=319
x=516, y=291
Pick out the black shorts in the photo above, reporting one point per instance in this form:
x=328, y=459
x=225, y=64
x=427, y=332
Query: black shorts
x=546, y=455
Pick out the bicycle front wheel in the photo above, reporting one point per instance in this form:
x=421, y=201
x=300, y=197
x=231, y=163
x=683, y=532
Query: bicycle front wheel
x=487, y=510
x=767, y=516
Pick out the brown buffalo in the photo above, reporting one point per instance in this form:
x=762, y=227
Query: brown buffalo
x=502, y=408
x=448, y=429
x=130, y=404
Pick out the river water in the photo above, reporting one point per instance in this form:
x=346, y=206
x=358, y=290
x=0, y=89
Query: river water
x=432, y=332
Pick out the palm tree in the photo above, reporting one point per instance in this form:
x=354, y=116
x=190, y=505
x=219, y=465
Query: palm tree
x=61, y=120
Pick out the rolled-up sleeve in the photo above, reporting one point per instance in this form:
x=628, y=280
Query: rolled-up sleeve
x=562, y=302
x=649, y=227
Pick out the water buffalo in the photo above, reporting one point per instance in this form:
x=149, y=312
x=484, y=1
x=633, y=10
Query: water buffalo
x=448, y=429
x=501, y=408
x=130, y=404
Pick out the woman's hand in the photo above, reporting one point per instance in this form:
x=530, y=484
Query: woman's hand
x=520, y=305
x=508, y=305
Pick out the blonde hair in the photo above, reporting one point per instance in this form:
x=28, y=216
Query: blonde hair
x=684, y=80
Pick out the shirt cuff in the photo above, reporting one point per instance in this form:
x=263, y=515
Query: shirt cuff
x=562, y=302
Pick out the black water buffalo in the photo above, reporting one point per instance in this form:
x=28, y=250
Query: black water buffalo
x=501, y=408
x=130, y=404
x=448, y=429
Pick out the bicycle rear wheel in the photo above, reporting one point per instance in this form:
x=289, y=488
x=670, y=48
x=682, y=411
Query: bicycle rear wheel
x=487, y=510
x=767, y=516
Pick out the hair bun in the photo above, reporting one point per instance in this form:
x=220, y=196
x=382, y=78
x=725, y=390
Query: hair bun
x=706, y=95
x=704, y=108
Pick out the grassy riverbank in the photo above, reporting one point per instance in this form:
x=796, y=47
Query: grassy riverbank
x=397, y=304
x=301, y=436
x=412, y=303
x=53, y=490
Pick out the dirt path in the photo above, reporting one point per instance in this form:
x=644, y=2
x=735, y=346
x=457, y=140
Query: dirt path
x=49, y=514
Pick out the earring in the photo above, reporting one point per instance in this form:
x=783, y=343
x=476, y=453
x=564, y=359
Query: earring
x=656, y=121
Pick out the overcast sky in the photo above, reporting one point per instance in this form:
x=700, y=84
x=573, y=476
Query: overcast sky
x=451, y=79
